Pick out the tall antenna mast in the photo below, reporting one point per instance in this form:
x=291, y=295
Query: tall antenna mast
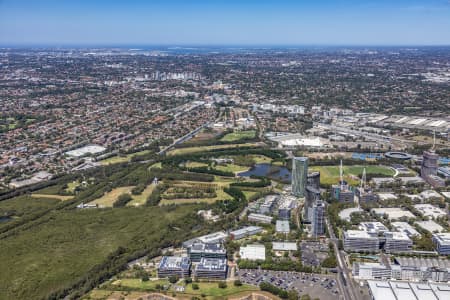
x=363, y=179
x=434, y=139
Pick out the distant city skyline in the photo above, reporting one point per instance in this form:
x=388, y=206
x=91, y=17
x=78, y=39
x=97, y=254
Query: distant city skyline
x=219, y=22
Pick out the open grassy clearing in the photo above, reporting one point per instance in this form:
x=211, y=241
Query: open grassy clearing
x=195, y=164
x=60, y=249
x=71, y=186
x=120, y=159
x=211, y=289
x=330, y=174
x=137, y=283
x=108, y=199
x=220, y=195
x=190, y=150
x=231, y=168
x=238, y=135
x=58, y=197
x=155, y=166
x=142, y=198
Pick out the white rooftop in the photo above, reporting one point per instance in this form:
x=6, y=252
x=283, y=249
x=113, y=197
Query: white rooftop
x=429, y=210
x=397, y=290
x=393, y=212
x=93, y=149
x=430, y=226
x=253, y=252
x=284, y=246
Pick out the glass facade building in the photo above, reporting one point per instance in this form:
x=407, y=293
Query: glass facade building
x=299, y=175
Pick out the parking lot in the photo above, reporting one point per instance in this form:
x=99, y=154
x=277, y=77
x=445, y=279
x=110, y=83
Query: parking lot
x=317, y=286
x=313, y=253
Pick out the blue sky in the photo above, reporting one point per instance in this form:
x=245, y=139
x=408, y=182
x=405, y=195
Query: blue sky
x=220, y=22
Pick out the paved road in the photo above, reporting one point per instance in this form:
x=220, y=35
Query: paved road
x=344, y=280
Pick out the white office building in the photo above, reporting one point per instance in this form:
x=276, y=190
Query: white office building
x=360, y=241
x=366, y=271
x=397, y=242
x=441, y=242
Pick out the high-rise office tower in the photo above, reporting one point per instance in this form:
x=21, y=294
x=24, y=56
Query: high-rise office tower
x=318, y=219
x=299, y=175
x=429, y=164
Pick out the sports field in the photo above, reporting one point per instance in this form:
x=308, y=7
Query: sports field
x=231, y=168
x=330, y=174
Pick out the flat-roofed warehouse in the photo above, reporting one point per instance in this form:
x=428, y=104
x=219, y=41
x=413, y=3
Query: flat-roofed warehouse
x=401, y=290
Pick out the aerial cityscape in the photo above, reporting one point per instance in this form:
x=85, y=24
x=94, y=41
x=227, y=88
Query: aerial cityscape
x=221, y=162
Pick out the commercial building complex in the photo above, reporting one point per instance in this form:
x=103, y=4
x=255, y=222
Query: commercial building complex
x=211, y=268
x=200, y=250
x=174, y=266
x=259, y=218
x=299, y=175
x=396, y=242
x=360, y=241
x=441, y=242
x=245, y=232
x=212, y=238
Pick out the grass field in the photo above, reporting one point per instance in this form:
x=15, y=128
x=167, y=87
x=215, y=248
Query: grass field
x=195, y=164
x=238, y=135
x=190, y=150
x=156, y=166
x=231, y=168
x=211, y=289
x=120, y=159
x=221, y=195
x=330, y=174
x=71, y=186
x=142, y=198
x=62, y=247
x=108, y=199
x=58, y=197
x=139, y=284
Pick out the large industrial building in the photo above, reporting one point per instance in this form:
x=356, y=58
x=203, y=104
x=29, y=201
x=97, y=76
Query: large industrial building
x=401, y=290
x=174, y=266
x=211, y=268
x=441, y=242
x=299, y=175
x=360, y=241
x=200, y=250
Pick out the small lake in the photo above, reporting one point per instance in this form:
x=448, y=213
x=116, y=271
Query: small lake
x=270, y=171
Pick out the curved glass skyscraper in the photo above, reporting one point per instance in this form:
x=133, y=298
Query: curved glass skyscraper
x=299, y=175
